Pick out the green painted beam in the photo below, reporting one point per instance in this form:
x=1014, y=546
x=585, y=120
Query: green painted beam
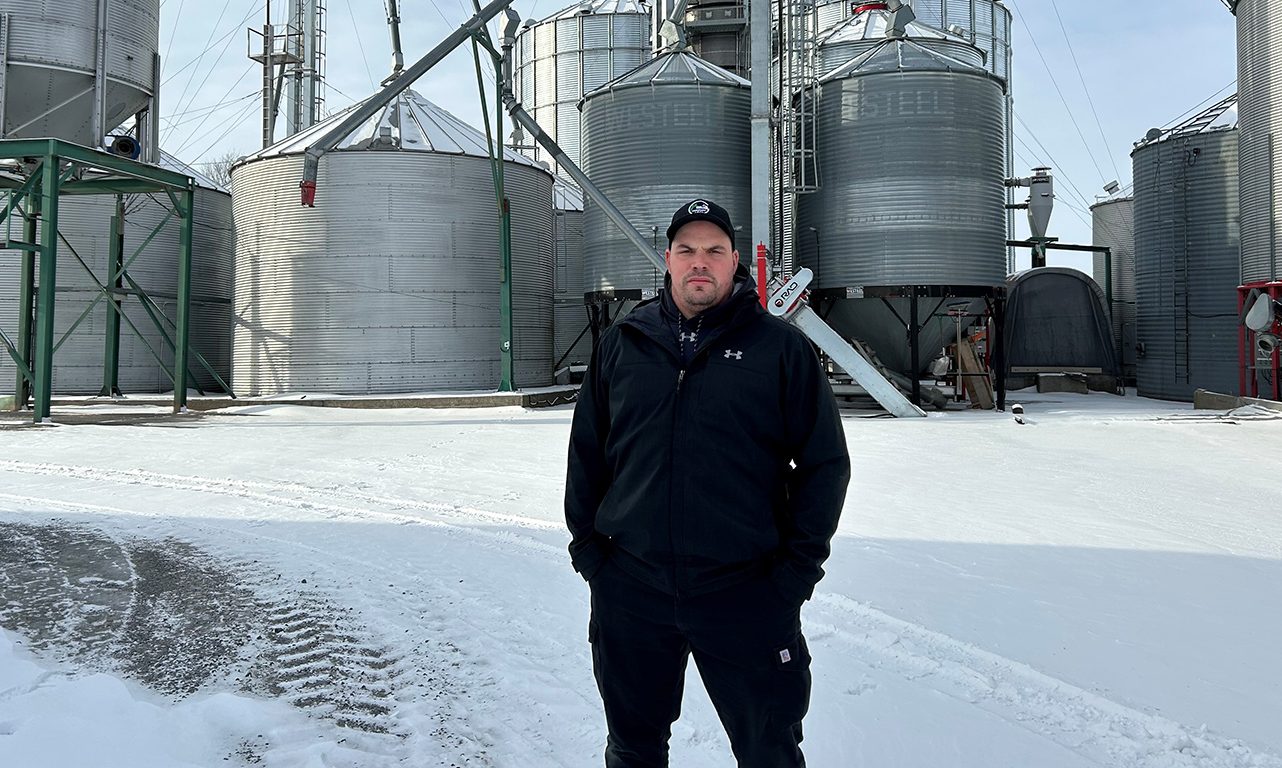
x=111, y=337
x=184, y=300
x=16, y=356
x=113, y=187
x=43, y=368
x=15, y=196
x=26, y=318
x=21, y=148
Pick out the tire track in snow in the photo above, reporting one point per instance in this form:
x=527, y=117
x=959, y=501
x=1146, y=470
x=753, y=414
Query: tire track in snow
x=307, y=498
x=190, y=620
x=1089, y=724
x=440, y=689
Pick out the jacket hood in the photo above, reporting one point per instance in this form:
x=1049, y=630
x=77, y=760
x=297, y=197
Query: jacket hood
x=651, y=315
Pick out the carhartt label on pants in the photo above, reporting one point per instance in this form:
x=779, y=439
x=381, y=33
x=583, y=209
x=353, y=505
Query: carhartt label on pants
x=784, y=656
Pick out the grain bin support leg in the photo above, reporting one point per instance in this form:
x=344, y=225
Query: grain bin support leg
x=115, y=268
x=43, y=369
x=26, y=299
x=186, y=210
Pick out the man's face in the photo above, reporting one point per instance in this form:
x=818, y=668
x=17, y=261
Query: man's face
x=702, y=261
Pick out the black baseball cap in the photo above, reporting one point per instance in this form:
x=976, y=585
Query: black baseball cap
x=701, y=210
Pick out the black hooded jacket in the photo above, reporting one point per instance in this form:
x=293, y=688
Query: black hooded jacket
x=698, y=471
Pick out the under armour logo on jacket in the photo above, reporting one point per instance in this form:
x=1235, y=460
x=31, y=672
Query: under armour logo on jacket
x=736, y=354
x=691, y=336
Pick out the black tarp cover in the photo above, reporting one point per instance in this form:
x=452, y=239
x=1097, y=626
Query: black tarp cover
x=1056, y=320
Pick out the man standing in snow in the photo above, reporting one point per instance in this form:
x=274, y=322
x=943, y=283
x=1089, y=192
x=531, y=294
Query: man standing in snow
x=707, y=471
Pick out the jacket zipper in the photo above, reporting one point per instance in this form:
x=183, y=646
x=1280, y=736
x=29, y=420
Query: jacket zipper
x=672, y=536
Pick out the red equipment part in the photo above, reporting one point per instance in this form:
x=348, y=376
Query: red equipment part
x=1248, y=357
x=761, y=274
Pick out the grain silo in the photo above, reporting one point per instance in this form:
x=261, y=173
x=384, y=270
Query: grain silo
x=571, y=53
x=145, y=357
x=1113, y=225
x=866, y=29
x=1187, y=257
x=1259, y=63
x=391, y=283
x=675, y=129
x=985, y=23
x=50, y=54
x=911, y=145
x=571, y=344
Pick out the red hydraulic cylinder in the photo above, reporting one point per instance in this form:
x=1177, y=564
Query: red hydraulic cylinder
x=761, y=274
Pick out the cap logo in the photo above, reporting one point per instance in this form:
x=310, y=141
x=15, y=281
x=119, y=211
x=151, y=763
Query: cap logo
x=698, y=206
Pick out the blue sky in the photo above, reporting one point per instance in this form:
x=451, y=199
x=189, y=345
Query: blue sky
x=1143, y=65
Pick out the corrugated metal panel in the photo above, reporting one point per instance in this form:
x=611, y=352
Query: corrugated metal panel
x=911, y=145
x=1113, y=225
x=545, y=81
x=571, y=344
x=830, y=15
x=133, y=32
x=987, y=24
x=388, y=285
x=1186, y=264
x=567, y=35
x=866, y=31
x=567, y=125
x=570, y=314
x=597, y=69
x=913, y=159
x=684, y=134
x=1259, y=35
x=627, y=59
x=569, y=74
x=596, y=32
x=410, y=123
x=571, y=55
x=85, y=223
x=600, y=7
x=52, y=59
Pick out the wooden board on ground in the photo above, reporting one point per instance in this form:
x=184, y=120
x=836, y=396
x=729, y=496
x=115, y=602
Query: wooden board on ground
x=979, y=386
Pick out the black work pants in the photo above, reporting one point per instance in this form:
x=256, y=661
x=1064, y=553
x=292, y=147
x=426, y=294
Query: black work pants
x=747, y=644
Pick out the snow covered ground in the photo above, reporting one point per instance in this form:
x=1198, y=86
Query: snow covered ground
x=287, y=586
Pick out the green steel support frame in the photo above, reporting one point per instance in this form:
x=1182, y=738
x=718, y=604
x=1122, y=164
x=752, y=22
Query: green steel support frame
x=26, y=314
x=115, y=272
x=43, y=368
x=43, y=188
x=507, y=372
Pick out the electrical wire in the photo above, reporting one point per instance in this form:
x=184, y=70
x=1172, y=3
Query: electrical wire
x=360, y=44
x=194, y=115
x=208, y=46
x=1199, y=105
x=1033, y=39
x=245, y=20
x=1059, y=172
x=1069, y=43
x=173, y=33
x=205, y=119
x=230, y=126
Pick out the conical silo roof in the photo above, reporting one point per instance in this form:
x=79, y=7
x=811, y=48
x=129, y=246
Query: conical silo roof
x=677, y=67
x=1220, y=117
x=171, y=163
x=409, y=123
x=872, y=25
x=902, y=54
x=869, y=28
x=598, y=6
